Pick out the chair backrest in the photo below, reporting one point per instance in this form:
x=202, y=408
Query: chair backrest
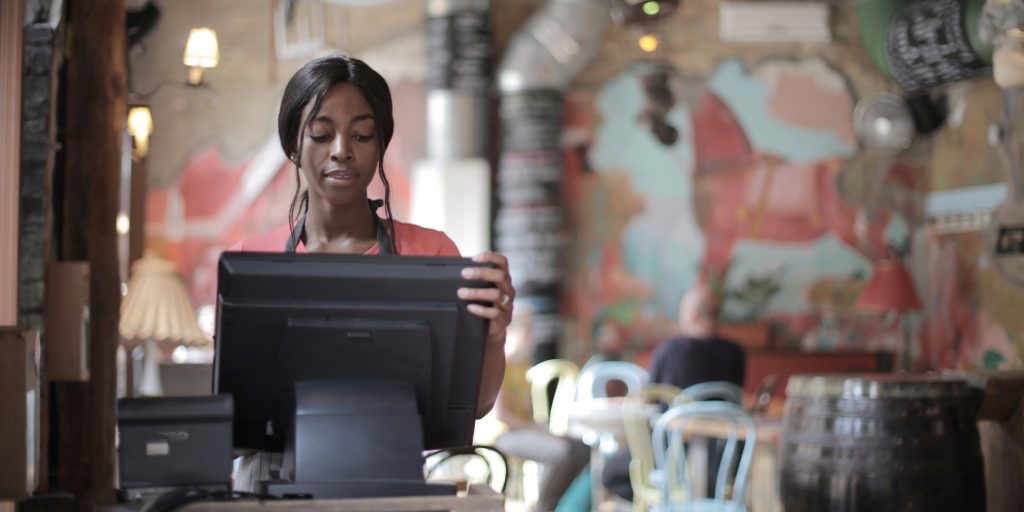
x=713, y=390
x=470, y=462
x=668, y=442
x=556, y=413
x=594, y=379
x=637, y=422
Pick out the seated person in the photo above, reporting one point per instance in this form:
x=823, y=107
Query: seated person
x=696, y=355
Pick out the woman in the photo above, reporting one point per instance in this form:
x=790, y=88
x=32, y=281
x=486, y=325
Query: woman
x=334, y=124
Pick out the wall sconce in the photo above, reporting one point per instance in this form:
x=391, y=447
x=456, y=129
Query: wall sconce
x=201, y=52
x=140, y=127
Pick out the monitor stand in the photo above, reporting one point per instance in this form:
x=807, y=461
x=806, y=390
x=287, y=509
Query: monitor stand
x=354, y=439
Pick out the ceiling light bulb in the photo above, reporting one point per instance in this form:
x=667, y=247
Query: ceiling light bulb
x=140, y=127
x=648, y=42
x=122, y=224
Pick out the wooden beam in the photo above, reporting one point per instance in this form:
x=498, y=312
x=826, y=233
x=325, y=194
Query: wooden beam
x=137, y=212
x=96, y=107
x=12, y=20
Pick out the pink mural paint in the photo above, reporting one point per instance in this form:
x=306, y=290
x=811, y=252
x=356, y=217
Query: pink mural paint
x=741, y=193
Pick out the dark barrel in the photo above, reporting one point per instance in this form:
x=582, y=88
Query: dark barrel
x=881, y=442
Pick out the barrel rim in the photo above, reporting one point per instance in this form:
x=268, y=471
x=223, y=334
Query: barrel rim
x=876, y=385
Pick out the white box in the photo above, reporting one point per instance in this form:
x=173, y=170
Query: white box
x=773, y=22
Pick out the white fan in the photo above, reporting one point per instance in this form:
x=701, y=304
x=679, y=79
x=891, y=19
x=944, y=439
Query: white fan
x=883, y=122
x=884, y=126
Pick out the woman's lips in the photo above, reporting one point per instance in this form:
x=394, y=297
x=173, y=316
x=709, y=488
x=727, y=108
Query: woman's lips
x=340, y=176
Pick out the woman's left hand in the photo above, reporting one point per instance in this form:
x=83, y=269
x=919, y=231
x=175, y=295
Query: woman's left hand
x=500, y=297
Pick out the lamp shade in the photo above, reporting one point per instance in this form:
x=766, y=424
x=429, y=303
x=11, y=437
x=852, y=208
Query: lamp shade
x=201, y=50
x=889, y=289
x=157, y=307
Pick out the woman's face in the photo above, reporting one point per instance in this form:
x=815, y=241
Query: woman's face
x=340, y=150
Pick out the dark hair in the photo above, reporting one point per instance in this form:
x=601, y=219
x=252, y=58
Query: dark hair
x=310, y=84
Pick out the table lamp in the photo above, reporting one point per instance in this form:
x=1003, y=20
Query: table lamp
x=156, y=311
x=890, y=289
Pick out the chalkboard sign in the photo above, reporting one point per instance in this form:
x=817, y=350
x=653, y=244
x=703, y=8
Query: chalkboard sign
x=529, y=219
x=529, y=178
x=459, y=51
x=927, y=45
x=532, y=239
x=531, y=121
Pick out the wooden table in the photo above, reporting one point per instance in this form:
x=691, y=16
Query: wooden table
x=479, y=498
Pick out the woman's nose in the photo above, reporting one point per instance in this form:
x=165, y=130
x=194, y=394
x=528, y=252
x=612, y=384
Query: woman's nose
x=341, y=148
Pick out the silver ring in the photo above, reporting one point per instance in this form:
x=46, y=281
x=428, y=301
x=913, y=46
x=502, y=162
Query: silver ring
x=505, y=299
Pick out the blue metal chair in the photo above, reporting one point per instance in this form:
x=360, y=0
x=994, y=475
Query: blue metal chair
x=593, y=379
x=671, y=471
x=714, y=390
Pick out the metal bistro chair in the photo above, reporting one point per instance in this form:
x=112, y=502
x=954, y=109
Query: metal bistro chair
x=594, y=379
x=637, y=421
x=671, y=472
x=593, y=387
x=551, y=411
x=554, y=414
x=713, y=390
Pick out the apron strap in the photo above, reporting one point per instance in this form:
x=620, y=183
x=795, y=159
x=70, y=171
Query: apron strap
x=384, y=244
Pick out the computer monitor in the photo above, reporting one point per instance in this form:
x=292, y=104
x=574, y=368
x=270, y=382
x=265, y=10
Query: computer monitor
x=350, y=365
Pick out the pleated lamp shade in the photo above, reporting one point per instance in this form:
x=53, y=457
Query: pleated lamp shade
x=157, y=307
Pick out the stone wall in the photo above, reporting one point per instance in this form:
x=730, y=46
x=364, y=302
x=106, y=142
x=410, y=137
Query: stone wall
x=41, y=61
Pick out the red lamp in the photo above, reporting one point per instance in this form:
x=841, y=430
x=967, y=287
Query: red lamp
x=891, y=289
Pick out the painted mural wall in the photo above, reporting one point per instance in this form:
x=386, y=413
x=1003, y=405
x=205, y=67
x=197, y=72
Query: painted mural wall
x=742, y=160
x=709, y=157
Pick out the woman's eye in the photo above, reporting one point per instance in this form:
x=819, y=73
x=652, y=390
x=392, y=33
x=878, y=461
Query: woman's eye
x=363, y=138
x=319, y=138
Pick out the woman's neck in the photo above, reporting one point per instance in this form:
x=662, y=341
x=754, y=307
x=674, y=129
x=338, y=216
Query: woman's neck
x=333, y=225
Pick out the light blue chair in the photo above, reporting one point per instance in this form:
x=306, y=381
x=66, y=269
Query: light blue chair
x=713, y=390
x=671, y=473
x=593, y=379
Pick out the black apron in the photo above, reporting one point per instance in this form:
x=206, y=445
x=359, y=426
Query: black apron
x=383, y=238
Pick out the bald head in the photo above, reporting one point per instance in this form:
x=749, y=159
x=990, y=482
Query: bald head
x=698, y=311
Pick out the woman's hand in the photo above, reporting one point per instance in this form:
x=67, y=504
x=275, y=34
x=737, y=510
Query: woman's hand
x=500, y=297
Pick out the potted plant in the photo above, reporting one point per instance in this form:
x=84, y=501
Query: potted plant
x=743, y=307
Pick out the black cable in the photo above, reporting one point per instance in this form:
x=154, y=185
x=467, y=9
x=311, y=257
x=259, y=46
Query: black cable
x=179, y=498
x=476, y=450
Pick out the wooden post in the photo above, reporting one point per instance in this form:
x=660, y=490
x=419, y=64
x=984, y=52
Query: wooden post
x=137, y=213
x=94, y=127
x=19, y=424
x=11, y=33
x=12, y=21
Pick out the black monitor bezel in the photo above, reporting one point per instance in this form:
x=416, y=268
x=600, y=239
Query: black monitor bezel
x=239, y=275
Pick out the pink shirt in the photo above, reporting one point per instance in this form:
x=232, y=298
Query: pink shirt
x=410, y=240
